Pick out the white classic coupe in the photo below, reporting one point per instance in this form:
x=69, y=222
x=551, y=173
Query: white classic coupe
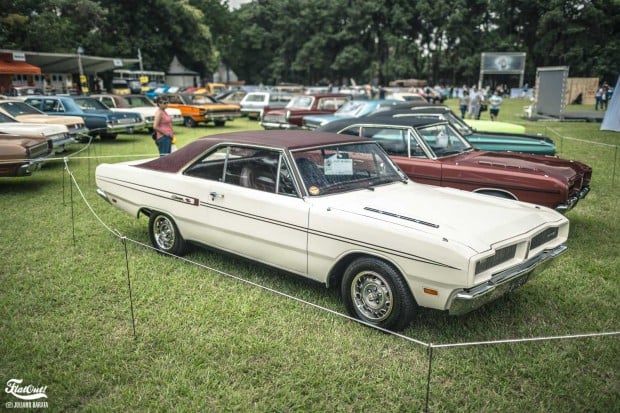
x=336, y=209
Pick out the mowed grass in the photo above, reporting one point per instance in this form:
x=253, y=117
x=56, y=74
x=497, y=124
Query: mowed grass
x=206, y=341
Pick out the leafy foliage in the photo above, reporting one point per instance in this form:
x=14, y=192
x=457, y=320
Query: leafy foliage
x=326, y=41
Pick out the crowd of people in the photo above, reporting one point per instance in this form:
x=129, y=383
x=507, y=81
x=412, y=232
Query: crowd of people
x=473, y=101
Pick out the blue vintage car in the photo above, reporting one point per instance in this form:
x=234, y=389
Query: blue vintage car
x=483, y=140
x=99, y=119
x=353, y=109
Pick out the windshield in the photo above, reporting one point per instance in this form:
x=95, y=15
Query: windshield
x=459, y=124
x=138, y=101
x=202, y=99
x=6, y=119
x=344, y=168
x=89, y=104
x=352, y=107
x=443, y=140
x=19, y=108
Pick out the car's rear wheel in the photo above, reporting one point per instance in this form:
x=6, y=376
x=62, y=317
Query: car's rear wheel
x=189, y=122
x=165, y=235
x=374, y=292
x=220, y=122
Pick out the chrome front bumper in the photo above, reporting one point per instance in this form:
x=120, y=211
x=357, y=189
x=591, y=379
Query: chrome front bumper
x=464, y=301
x=278, y=125
x=572, y=201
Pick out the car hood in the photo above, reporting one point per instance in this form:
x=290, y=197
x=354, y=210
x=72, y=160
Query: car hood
x=19, y=128
x=472, y=220
x=508, y=137
x=50, y=119
x=113, y=115
x=322, y=119
x=144, y=111
x=562, y=169
x=494, y=126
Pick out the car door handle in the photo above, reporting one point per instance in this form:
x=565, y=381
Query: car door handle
x=216, y=195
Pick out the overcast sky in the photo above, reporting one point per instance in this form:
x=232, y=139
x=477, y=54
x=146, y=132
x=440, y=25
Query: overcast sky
x=236, y=3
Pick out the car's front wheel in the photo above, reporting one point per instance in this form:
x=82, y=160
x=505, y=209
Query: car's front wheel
x=374, y=292
x=189, y=122
x=165, y=235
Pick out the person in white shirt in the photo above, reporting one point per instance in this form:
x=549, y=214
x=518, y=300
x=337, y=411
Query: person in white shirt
x=495, y=102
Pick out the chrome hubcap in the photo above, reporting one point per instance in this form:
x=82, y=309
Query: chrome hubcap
x=372, y=296
x=164, y=233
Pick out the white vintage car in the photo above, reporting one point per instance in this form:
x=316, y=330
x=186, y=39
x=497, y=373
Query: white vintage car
x=335, y=209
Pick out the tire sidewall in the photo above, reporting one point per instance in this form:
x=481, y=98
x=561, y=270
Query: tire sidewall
x=403, y=304
x=179, y=246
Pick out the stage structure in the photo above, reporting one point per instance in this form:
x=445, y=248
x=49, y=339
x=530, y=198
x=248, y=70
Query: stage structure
x=505, y=63
x=551, y=97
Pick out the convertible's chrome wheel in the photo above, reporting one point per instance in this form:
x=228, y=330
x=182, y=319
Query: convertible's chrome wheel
x=372, y=296
x=164, y=233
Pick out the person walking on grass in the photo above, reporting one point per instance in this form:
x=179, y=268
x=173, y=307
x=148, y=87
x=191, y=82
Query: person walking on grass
x=495, y=102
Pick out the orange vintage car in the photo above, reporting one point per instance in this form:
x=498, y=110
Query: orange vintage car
x=197, y=109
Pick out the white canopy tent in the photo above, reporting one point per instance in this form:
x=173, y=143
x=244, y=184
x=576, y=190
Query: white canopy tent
x=611, y=121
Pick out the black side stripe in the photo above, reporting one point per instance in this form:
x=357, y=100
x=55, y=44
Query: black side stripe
x=375, y=247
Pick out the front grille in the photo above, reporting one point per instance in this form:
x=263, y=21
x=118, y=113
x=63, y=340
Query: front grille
x=124, y=121
x=273, y=118
x=501, y=255
x=544, y=237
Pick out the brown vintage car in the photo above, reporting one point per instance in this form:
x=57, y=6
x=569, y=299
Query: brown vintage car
x=292, y=115
x=197, y=108
x=22, y=155
x=433, y=152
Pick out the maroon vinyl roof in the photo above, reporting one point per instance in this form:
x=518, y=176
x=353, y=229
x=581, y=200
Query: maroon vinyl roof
x=277, y=139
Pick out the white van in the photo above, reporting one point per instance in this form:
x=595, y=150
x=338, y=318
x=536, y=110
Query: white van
x=253, y=103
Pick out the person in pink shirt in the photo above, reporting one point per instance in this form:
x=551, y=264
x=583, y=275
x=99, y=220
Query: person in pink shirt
x=162, y=126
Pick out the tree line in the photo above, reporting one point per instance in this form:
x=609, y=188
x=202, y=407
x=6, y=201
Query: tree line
x=327, y=41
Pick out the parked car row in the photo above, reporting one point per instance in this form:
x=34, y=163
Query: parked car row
x=63, y=119
x=431, y=151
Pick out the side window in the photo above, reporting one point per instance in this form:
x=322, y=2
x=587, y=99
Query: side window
x=327, y=104
x=108, y=102
x=392, y=140
x=49, y=105
x=252, y=168
x=210, y=167
x=259, y=169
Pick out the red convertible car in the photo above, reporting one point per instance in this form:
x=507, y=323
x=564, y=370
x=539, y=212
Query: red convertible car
x=433, y=152
x=291, y=116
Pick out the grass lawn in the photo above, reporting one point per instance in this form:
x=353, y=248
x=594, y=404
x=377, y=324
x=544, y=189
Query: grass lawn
x=208, y=342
